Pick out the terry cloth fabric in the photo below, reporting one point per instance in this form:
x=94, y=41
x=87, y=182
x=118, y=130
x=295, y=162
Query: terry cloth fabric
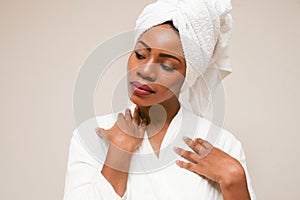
x=151, y=177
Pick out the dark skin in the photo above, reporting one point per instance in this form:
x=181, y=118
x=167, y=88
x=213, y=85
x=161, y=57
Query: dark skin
x=158, y=62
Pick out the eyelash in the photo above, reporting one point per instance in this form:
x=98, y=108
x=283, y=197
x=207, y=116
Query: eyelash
x=165, y=67
x=139, y=56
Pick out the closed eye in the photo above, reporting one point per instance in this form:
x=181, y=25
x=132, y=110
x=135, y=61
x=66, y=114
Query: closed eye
x=139, y=56
x=167, y=68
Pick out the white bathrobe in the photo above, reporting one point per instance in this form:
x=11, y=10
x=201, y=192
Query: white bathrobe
x=151, y=177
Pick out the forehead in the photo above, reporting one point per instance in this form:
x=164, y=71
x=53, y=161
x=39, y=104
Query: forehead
x=164, y=38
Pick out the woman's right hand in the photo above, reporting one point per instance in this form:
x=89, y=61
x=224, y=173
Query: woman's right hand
x=127, y=133
x=124, y=138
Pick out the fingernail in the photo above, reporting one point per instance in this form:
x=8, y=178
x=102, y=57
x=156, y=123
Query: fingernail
x=176, y=149
x=97, y=130
x=186, y=138
x=99, y=133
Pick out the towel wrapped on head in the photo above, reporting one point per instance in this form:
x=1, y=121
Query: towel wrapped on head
x=204, y=27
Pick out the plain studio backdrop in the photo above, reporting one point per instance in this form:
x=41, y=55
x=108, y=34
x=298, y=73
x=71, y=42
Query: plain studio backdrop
x=44, y=43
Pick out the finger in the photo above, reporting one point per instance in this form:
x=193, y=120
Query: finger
x=186, y=165
x=192, y=144
x=128, y=114
x=120, y=117
x=190, y=166
x=204, y=143
x=188, y=155
x=120, y=121
x=206, y=147
x=144, y=122
x=101, y=133
x=136, y=116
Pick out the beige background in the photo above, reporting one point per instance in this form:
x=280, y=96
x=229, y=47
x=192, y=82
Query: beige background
x=43, y=44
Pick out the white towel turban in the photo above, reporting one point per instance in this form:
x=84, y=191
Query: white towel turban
x=204, y=27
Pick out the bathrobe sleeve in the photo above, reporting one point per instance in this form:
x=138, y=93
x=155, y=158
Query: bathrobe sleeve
x=244, y=164
x=231, y=145
x=84, y=180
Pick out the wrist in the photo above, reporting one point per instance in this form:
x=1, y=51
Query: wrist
x=236, y=186
x=118, y=159
x=234, y=176
x=121, y=144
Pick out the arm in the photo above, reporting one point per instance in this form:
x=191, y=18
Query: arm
x=87, y=179
x=234, y=184
x=116, y=168
x=84, y=180
x=124, y=138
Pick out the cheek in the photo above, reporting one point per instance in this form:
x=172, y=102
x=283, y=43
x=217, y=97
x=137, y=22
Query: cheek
x=176, y=87
x=172, y=85
x=130, y=62
x=131, y=65
x=172, y=81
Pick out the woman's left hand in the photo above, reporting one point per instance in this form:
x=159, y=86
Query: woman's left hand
x=211, y=162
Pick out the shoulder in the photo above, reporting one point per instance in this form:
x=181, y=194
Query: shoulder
x=104, y=121
x=84, y=132
x=86, y=144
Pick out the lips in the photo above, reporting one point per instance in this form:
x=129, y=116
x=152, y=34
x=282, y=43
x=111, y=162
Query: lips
x=141, y=89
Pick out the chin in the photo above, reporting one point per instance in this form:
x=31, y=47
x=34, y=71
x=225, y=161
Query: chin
x=147, y=102
x=141, y=102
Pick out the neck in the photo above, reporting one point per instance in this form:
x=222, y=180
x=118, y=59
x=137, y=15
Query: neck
x=159, y=117
x=161, y=113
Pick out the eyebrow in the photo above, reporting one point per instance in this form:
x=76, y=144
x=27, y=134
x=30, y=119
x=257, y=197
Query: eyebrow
x=145, y=45
x=161, y=54
x=169, y=56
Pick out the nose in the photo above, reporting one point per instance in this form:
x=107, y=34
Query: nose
x=147, y=72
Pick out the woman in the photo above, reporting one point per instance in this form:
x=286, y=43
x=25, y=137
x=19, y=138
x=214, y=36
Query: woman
x=158, y=68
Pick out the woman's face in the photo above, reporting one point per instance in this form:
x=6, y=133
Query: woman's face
x=156, y=67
